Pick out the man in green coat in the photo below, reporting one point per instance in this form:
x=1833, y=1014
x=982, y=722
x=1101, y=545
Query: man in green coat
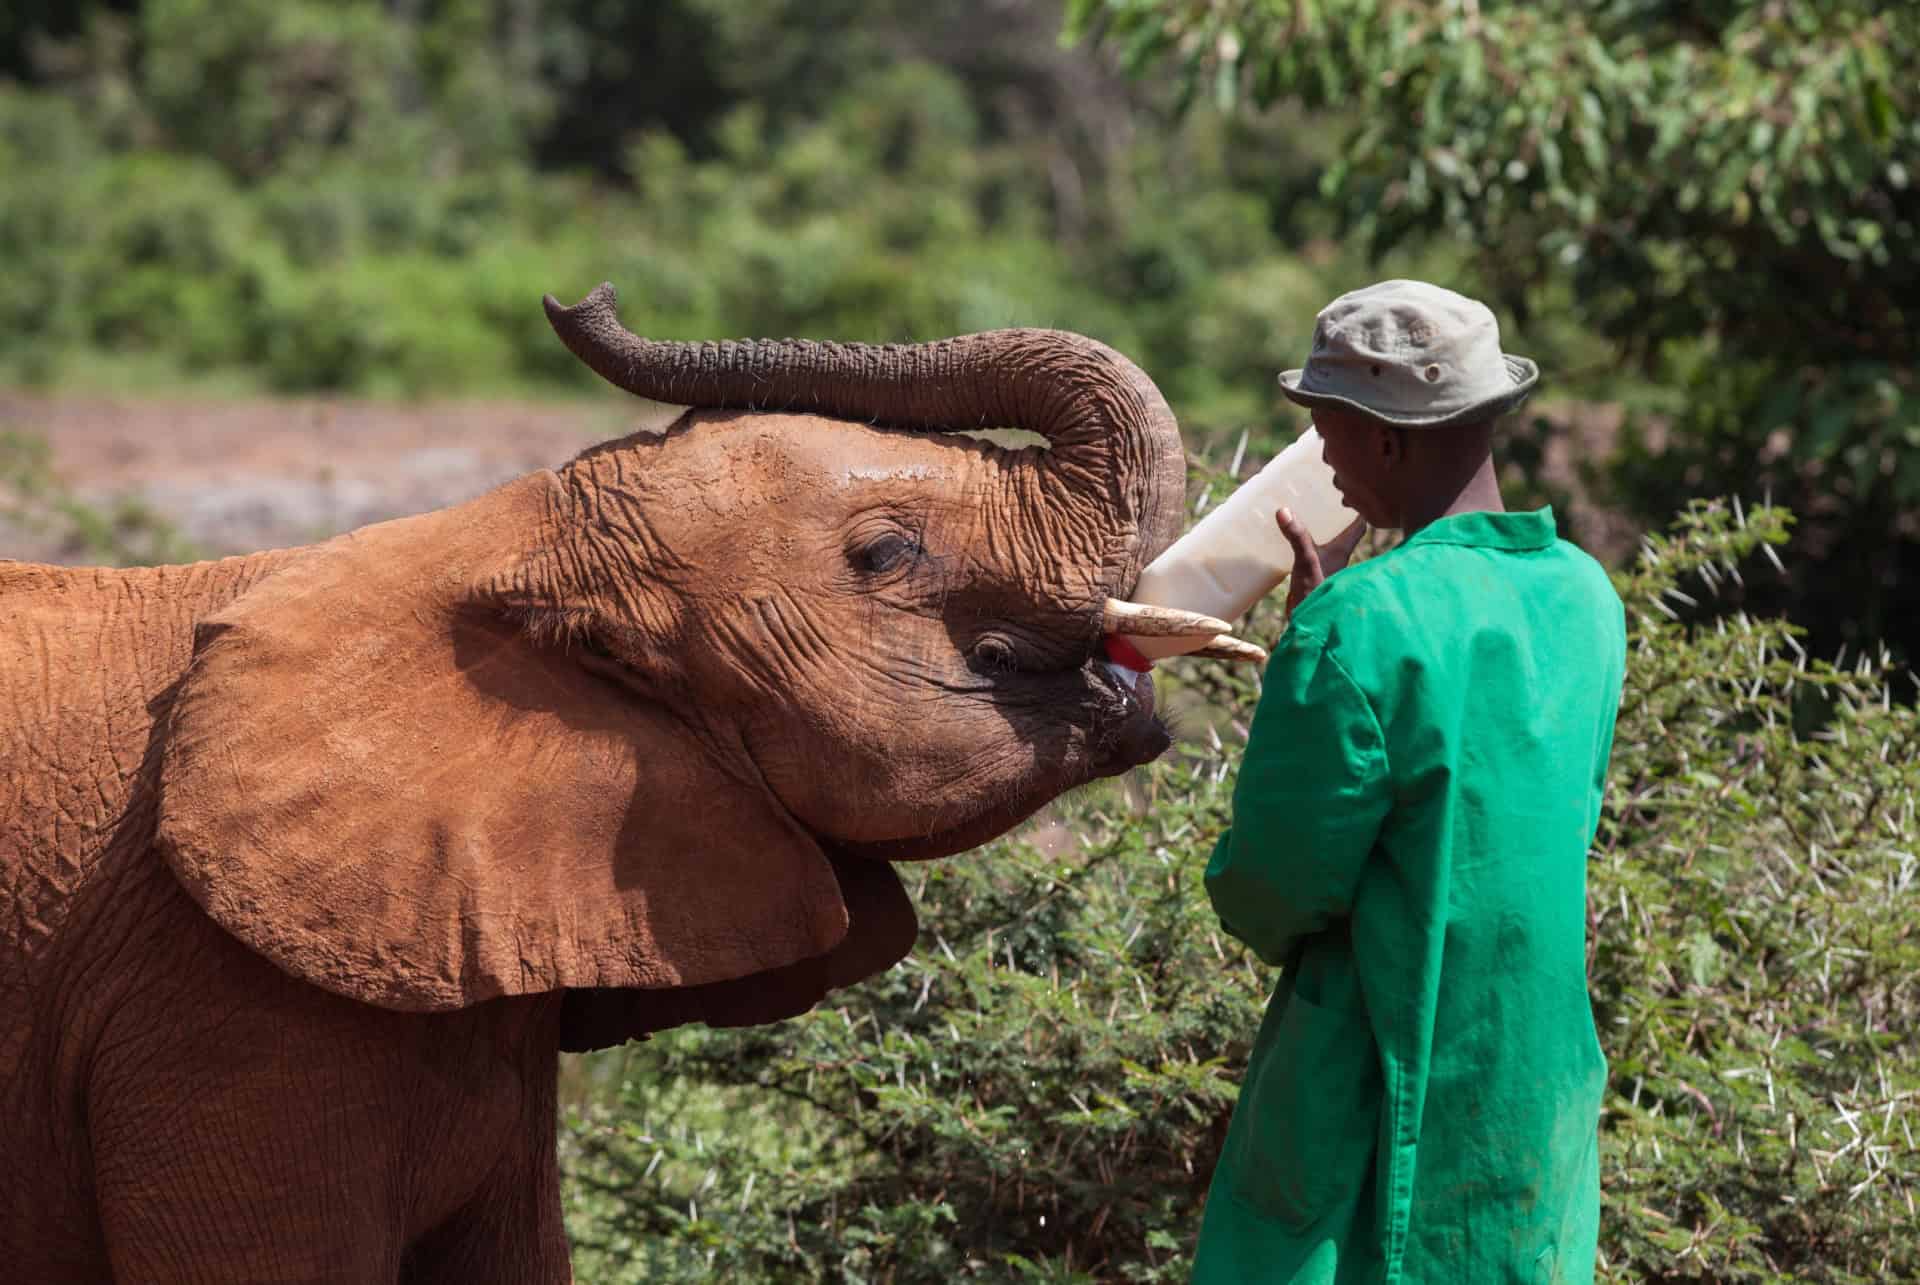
x=1409, y=843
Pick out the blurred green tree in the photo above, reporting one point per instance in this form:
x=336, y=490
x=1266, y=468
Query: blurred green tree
x=26, y=26
x=260, y=84
x=1725, y=192
x=343, y=194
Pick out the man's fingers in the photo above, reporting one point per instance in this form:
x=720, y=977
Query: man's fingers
x=1306, y=557
x=1349, y=540
x=1304, y=552
x=1295, y=532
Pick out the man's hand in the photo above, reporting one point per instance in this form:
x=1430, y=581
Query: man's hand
x=1314, y=563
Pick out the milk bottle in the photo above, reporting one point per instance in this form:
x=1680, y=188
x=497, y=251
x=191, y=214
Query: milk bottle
x=1236, y=554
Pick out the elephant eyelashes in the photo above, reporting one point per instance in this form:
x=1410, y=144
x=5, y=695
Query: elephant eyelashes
x=994, y=655
x=886, y=553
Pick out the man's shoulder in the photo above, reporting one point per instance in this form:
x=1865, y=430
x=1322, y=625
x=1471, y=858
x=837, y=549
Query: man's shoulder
x=1400, y=570
x=1356, y=612
x=1593, y=577
x=1571, y=552
x=1402, y=600
x=1377, y=583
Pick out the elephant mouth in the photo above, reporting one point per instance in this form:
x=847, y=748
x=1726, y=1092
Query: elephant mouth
x=1124, y=732
x=1134, y=733
x=1119, y=730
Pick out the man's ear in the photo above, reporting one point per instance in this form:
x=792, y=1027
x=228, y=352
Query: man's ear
x=1389, y=445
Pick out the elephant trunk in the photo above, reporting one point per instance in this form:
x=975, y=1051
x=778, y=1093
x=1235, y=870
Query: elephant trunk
x=1113, y=441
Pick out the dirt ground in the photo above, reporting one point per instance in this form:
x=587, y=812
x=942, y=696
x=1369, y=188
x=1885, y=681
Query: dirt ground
x=235, y=476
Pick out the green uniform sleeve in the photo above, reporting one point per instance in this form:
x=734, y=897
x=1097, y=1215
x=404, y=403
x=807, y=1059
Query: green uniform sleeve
x=1312, y=793
x=1603, y=750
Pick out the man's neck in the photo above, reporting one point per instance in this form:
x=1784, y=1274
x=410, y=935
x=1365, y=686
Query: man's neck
x=1479, y=493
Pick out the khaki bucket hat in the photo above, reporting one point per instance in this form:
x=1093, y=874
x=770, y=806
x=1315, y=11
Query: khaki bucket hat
x=1412, y=355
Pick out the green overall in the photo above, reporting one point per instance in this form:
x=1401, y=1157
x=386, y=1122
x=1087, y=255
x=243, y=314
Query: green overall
x=1410, y=835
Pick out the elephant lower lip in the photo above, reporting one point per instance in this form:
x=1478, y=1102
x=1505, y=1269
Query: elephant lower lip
x=1121, y=740
x=1139, y=737
x=944, y=843
x=1142, y=740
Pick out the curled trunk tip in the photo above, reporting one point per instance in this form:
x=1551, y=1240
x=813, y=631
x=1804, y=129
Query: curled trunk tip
x=584, y=328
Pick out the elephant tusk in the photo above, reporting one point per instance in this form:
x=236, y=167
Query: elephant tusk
x=1225, y=648
x=1143, y=621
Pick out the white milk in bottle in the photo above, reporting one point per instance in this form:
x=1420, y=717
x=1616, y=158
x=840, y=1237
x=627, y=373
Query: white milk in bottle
x=1236, y=554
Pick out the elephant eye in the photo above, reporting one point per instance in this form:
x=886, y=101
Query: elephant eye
x=885, y=552
x=994, y=655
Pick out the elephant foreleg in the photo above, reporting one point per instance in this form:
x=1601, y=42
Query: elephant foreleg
x=185, y=1196
x=319, y=1141
x=511, y=1231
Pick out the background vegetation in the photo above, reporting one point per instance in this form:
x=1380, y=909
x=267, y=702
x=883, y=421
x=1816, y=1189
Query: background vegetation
x=1700, y=218
x=371, y=197
x=1723, y=193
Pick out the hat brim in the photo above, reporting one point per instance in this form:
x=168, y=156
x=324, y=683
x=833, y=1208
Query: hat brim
x=1521, y=370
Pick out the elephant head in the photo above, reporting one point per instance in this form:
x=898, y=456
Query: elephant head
x=648, y=729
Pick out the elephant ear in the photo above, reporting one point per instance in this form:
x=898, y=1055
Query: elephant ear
x=882, y=932
x=382, y=785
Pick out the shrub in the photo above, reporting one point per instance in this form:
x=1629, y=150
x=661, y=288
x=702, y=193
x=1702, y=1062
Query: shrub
x=1754, y=960
x=1040, y=1091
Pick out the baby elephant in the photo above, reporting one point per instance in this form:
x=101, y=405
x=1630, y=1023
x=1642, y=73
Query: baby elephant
x=312, y=861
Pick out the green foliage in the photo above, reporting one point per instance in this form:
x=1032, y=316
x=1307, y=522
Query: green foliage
x=1727, y=193
x=341, y=195
x=1750, y=150
x=1755, y=965
x=254, y=83
x=26, y=26
x=1041, y=1090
